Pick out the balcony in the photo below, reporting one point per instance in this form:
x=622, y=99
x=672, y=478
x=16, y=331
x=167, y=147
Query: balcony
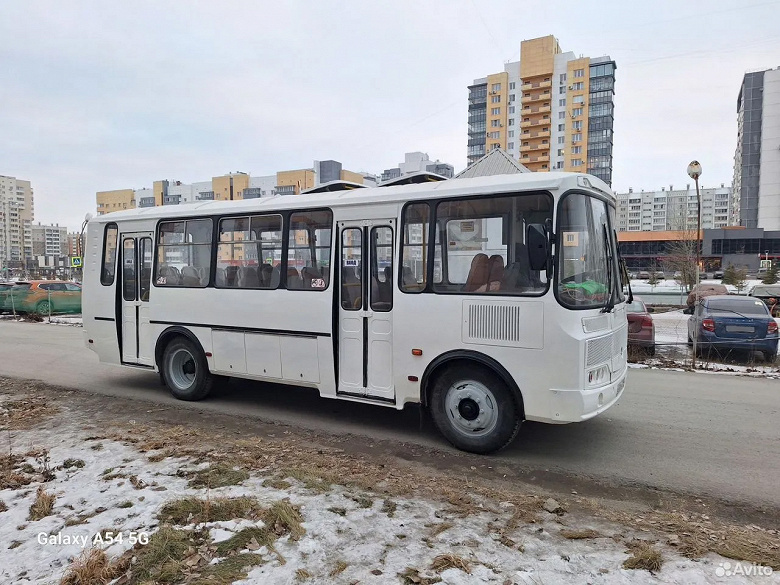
x=534, y=147
x=536, y=110
x=543, y=121
x=536, y=134
x=535, y=98
x=535, y=84
x=542, y=158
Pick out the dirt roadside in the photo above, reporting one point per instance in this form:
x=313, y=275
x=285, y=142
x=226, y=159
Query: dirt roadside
x=695, y=526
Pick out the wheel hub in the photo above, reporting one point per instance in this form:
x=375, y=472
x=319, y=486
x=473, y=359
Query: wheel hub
x=471, y=408
x=468, y=409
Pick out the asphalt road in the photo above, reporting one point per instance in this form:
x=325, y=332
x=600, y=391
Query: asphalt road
x=701, y=434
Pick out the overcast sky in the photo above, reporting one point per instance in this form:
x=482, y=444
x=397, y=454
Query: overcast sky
x=106, y=95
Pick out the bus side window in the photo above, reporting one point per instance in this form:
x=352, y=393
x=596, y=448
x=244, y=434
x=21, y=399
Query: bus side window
x=414, y=247
x=109, y=255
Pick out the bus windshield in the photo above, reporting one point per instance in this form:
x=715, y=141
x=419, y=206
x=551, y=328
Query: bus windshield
x=587, y=269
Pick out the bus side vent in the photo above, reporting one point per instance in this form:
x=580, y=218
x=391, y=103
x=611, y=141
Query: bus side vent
x=515, y=324
x=599, y=350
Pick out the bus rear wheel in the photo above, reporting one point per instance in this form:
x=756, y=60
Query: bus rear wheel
x=185, y=370
x=474, y=410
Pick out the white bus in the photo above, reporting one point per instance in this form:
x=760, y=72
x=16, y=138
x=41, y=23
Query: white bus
x=489, y=301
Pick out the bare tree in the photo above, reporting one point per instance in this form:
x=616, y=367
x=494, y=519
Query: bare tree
x=681, y=254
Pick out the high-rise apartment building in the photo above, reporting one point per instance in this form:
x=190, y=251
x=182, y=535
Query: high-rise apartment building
x=49, y=240
x=550, y=111
x=673, y=210
x=757, y=159
x=17, y=211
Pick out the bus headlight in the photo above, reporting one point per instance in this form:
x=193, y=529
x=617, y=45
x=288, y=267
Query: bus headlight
x=598, y=376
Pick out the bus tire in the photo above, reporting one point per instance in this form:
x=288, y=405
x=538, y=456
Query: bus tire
x=185, y=370
x=474, y=409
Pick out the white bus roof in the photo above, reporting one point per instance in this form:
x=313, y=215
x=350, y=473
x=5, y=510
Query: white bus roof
x=552, y=181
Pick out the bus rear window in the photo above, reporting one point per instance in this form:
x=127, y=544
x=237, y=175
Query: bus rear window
x=109, y=255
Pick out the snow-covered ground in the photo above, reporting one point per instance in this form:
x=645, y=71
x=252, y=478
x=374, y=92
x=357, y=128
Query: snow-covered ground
x=350, y=535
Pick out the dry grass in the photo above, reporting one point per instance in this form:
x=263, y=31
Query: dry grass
x=43, y=504
x=443, y=562
x=644, y=556
x=302, y=575
x=3, y=507
x=389, y=507
x=25, y=412
x=196, y=510
x=579, y=534
x=277, y=484
x=252, y=538
x=214, y=476
x=338, y=511
x=312, y=478
x=412, y=576
x=228, y=570
x=92, y=567
x=68, y=463
x=362, y=500
x=284, y=518
x=164, y=558
x=437, y=529
x=14, y=473
x=340, y=567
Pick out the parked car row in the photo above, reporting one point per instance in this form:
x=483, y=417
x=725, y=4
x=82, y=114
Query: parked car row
x=40, y=296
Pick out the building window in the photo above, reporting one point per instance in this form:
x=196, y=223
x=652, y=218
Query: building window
x=577, y=86
x=511, y=122
x=577, y=124
x=576, y=137
x=560, y=152
x=578, y=99
x=511, y=85
x=576, y=150
x=562, y=102
x=495, y=111
x=511, y=145
x=561, y=139
x=495, y=123
x=511, y=98
x=496, y=87
x=561, y=127
x=579, y=73
x=563, y=78
x=511, y=109
x=510, y=134
x=562, y=89
x=561, y=115
x=576, y=112
x=496, y=99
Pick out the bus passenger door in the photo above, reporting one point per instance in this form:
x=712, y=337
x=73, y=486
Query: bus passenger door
x=365, y=309
x=136, y=285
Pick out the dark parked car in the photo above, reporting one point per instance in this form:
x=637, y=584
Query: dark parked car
x=733, y=322
x=706, y=290
x=641, y=331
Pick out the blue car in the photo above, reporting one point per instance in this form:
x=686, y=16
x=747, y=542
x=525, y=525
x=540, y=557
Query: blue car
x=728, y=322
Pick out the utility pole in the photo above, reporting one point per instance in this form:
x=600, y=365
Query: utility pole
x=694, y=172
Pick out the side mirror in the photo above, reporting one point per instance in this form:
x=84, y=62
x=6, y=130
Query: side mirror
x=650, y=310
x=688, y=310
x=538, y=246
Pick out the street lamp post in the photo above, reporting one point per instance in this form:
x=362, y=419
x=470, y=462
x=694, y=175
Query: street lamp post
x=694, y=172
x=79, y=246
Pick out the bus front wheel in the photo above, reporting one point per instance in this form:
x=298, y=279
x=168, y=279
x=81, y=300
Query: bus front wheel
x=185, y=370
x=474, y=409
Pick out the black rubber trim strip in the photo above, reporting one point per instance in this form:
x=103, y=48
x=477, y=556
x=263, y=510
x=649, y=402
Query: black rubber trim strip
x=104, y=319
x=245, y=329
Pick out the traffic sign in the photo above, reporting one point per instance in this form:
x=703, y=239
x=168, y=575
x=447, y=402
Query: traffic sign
x=75, y=262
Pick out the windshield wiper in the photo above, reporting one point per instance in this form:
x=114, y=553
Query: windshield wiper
x=610, y=304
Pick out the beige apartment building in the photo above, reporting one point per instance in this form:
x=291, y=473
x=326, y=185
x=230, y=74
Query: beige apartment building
x=551, y=110
x=229, y=187
x=17, y=210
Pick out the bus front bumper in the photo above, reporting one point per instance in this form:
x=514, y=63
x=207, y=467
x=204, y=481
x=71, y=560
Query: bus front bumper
x=567, y=406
